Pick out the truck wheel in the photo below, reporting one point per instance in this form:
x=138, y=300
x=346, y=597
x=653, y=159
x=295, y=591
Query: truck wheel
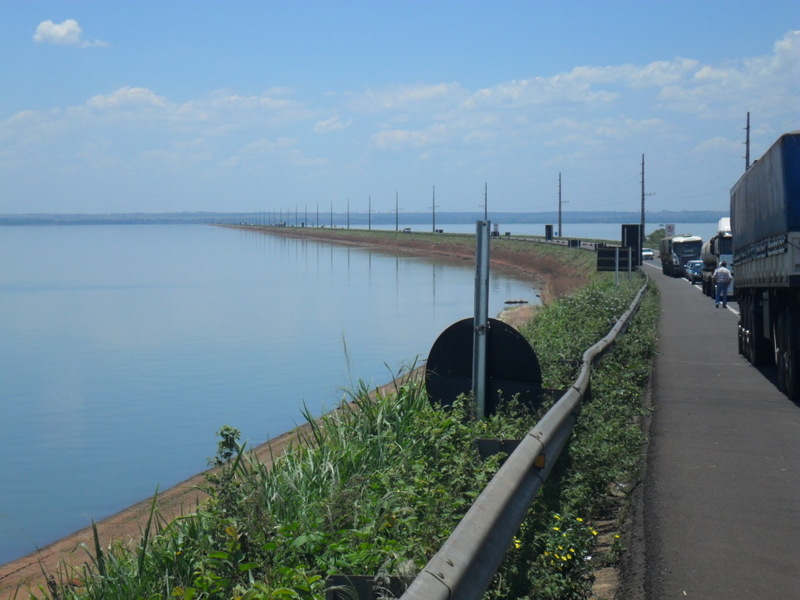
x=779, y=340
x=760, y=352
x=740, y=337
x=744, y=327
x=791, y=355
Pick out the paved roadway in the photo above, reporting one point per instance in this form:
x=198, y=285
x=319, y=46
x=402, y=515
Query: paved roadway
x=720, y=510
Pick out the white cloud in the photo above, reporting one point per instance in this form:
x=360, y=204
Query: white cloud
x=68, y=33
x=262, y=154
x=589, y=119
x=662, y=73
x=335, y=123
x=411, y=96
x=764, y=84
x=126, y=97
x=399, y=137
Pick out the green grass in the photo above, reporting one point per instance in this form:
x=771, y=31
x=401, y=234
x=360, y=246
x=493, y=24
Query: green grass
x=378, y=485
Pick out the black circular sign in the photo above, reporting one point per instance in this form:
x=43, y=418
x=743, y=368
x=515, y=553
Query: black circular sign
x=511, y=366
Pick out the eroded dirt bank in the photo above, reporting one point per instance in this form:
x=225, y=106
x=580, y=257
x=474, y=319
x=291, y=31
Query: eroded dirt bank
x=26, y=572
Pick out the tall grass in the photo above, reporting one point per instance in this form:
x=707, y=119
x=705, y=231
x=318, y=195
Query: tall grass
x=377, y=485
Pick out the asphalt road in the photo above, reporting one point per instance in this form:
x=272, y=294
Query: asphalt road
x=719, y=508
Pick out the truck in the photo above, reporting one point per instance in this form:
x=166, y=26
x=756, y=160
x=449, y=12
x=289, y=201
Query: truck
x=765, y=221
x=715, y=251
x=676, y=250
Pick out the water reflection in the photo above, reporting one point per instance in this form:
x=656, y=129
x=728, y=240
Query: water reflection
x=376, y=263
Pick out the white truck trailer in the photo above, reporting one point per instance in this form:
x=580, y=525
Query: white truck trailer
x=717, y=250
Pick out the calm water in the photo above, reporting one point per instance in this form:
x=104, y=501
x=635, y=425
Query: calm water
x=123, y=349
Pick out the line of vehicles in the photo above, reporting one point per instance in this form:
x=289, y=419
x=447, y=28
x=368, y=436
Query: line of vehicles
x=688, y=256
x=760, y=243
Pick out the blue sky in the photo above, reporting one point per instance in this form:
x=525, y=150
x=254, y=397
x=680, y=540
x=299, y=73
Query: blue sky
x=163, y=106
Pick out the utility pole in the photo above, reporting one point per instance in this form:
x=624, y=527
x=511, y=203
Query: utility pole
x=434, y=209
x=560, y=234
x=369, y=216
x=486, y=202
x=641, y=225
x=747, y=144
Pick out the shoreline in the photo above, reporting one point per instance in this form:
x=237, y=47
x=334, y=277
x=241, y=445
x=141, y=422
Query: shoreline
x=126, y=525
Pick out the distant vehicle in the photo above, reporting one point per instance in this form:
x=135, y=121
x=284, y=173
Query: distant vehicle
x=693, y=271
x=648, y=254
x=675, y=251
x=715, y=251
x=765, y=220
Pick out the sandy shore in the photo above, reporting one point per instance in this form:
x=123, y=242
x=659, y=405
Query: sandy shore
x=27, y=572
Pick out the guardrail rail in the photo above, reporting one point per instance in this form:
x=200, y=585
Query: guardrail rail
x=464, y=566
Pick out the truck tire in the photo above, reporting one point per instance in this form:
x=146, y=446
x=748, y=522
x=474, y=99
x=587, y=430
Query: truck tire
x=740, y=338
x=779, y=341
x=744, y=327
x=791, y=355
x=761, y=353
x=757, y=350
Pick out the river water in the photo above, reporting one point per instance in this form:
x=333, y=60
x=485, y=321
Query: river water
x=125, y=348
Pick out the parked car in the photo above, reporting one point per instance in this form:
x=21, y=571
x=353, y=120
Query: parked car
x=693, y=271
x=648, y=254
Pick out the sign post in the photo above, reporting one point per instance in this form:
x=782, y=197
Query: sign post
x=481, y=322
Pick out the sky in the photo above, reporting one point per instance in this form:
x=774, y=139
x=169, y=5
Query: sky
x=164, y=106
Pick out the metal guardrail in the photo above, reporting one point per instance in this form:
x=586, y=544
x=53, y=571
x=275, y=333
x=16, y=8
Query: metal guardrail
x=464, y=566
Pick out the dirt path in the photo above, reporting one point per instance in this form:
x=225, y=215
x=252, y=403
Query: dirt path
x=127, y=525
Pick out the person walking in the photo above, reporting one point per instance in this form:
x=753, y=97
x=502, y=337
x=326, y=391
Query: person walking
x=722, y=279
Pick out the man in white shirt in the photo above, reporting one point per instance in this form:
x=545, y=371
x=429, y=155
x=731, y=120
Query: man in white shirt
x=722, y=279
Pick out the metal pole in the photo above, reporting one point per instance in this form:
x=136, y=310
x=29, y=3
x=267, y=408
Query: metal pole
x=481, y=322
x=630, y=262
x=747, y=144
x=560, y=231
x=434, y=209
x=641, y=232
